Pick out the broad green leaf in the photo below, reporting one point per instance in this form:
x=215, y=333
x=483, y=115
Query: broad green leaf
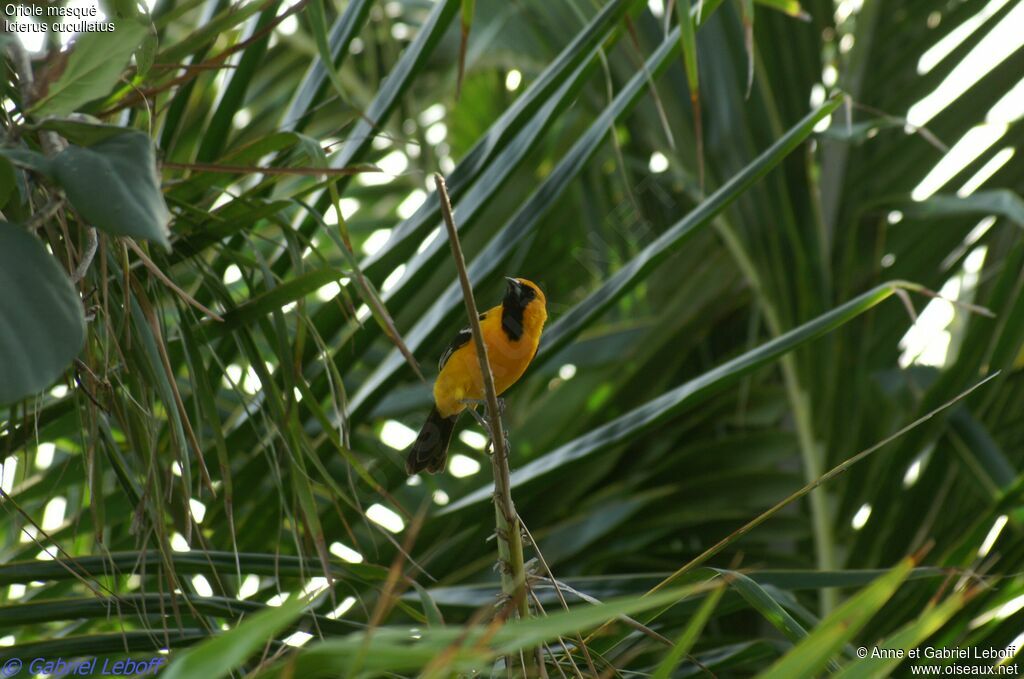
x=93, y=68
x=114, y=186
x=31, y=160
x=43, y=326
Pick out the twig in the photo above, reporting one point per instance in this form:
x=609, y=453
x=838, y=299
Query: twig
x=966, y=306
x=194, y=70
x=44, y=214
x=155, y=270
x=50, y=141
x=561, y=641
x=190, y=434
x=92, y=242
x=925, y=133
x=631, y=622
x=510, y=541
x=561, y=599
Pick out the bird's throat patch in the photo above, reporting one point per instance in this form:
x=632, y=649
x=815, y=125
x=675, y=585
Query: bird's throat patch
x=513, y=308
x=512, y=321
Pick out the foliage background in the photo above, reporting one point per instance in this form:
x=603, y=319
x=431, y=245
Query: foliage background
x=725, y=328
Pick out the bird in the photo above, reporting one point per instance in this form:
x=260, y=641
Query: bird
x=511, y=333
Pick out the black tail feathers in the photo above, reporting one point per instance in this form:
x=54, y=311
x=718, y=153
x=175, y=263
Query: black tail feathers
x=430, y=451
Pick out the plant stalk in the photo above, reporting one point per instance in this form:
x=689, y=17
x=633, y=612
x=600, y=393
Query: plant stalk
x=510, y=540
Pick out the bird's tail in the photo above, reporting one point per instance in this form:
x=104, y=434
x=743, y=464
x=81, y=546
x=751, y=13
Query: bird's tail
x=430, y=451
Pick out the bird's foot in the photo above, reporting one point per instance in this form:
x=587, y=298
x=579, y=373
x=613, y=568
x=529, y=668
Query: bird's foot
x=472, y=403
x=480, y=419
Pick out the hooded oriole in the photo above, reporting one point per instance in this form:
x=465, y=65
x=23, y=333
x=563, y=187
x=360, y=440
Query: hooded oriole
x=511, y=333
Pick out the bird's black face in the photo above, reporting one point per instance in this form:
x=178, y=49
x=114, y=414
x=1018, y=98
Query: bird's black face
x=517, y=295
x=513, y=307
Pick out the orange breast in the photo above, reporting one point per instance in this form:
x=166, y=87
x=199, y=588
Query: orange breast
x=460, y=378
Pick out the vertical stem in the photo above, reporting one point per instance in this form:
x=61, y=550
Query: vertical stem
x=814, y=467
x=510, y=540
x=812, y=456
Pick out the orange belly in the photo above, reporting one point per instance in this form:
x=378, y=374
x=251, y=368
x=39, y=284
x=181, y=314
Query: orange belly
x=460, y=379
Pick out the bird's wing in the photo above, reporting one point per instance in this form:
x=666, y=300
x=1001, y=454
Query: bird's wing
x=461, y=339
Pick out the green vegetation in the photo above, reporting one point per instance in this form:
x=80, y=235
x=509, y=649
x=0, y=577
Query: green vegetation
x=776, y=416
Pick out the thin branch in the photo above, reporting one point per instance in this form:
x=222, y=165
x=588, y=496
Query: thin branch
x=921, y=130
x=966, y=306
x=91, y=244
x=155, y=270
x=216, y=61
x=557, y=585
x=510, y=541
x=50, y=141
x=44, y=214
x=561, y=599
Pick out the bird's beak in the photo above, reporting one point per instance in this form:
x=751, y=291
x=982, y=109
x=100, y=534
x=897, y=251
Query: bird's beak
x=512, y=283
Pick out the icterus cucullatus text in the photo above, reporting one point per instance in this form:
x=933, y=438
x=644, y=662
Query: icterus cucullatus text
x=511, y=333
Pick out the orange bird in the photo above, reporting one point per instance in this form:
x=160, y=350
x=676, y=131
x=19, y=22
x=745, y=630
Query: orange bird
x=511, y=333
